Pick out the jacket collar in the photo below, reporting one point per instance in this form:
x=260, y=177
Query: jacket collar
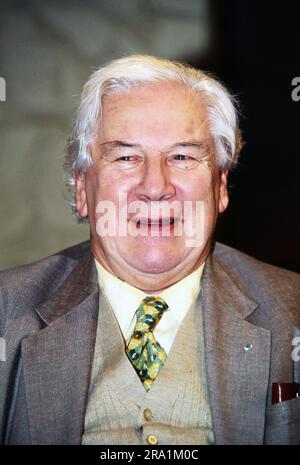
x=80, y=285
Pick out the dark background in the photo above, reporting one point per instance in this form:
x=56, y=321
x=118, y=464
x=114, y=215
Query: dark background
x=256, y=54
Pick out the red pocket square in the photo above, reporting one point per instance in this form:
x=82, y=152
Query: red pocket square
x=284, y=391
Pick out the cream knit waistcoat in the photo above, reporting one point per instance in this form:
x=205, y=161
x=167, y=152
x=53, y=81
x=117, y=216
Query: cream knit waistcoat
x=175, y=410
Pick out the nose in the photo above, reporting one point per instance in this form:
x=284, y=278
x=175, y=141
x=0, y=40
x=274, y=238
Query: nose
x=155, y=183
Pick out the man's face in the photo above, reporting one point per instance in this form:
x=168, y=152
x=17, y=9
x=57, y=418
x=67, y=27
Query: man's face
x=153, y=146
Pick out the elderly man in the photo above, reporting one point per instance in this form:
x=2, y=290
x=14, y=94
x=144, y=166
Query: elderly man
x=150, y=333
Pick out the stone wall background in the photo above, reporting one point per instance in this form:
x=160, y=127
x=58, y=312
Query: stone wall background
x=48, y=49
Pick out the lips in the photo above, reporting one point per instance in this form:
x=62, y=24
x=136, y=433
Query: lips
x=155, y=222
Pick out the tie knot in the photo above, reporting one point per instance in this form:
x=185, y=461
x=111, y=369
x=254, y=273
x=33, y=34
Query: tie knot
x=149, y=313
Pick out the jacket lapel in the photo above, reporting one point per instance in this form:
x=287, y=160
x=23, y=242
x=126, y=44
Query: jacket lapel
x=57, y=360
x=237, y=359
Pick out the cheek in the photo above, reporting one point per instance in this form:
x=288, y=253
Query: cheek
x=197, y=188
x=202, y=189
x=111, y=184
x=102, y=187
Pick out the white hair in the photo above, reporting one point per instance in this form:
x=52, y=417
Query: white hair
x=123, y=74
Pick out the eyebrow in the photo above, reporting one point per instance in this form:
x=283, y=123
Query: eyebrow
x=116, y=144
x=191, y=144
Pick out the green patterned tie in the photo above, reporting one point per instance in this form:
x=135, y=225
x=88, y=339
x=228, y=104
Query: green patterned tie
x=143, y=350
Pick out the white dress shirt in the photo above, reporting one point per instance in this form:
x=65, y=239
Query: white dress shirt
x=125, y=300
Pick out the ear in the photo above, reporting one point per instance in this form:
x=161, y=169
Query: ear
x=223, y=192
x=81, y=203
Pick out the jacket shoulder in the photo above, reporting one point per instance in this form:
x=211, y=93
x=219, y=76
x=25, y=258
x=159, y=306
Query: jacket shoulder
x=276, y=289
x=26, y=285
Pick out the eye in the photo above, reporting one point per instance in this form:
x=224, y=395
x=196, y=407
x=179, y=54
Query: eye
x=184, y=162
x=181, y=157
x=126, y=158
x=126, y=162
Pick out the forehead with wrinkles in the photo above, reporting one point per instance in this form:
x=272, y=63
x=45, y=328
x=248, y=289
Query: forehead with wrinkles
x=156, y=116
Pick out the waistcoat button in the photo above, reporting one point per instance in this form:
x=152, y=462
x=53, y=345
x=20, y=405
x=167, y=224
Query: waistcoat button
x=148, y=414
x=151, y=439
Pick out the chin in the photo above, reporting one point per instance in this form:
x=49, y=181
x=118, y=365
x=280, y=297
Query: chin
x=154, y=263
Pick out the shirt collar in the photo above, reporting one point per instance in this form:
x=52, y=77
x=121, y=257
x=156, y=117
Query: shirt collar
x=125, y=299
